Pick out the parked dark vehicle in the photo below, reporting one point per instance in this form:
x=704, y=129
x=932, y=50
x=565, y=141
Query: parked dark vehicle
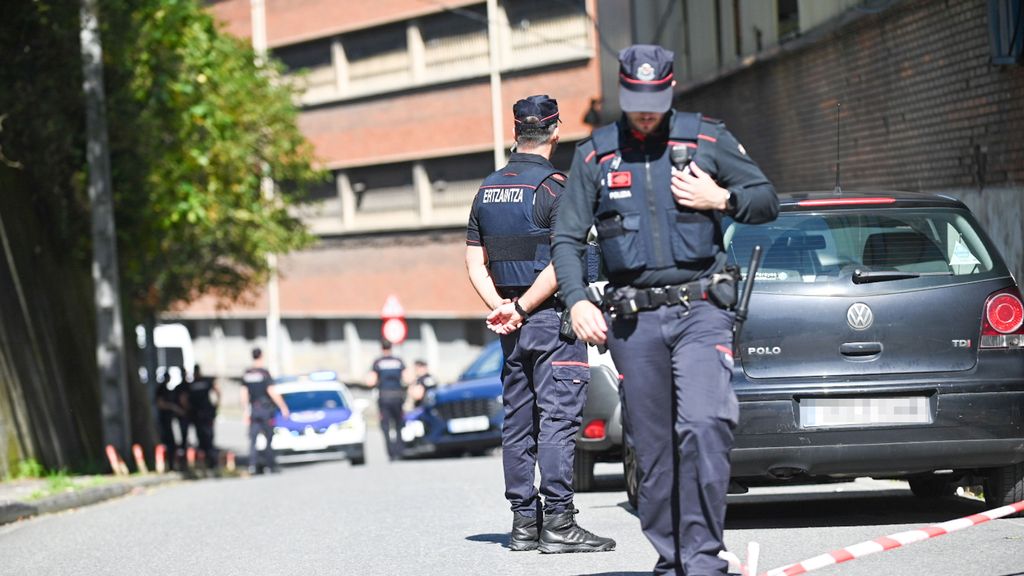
x=884, y=339
x=464, y=417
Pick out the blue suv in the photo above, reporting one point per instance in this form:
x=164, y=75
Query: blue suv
x=463, y=417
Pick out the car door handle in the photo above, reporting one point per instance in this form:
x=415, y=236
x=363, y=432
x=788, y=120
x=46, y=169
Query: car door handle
x=860, y=348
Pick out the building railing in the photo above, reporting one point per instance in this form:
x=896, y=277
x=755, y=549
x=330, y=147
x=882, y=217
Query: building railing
x=440, y=48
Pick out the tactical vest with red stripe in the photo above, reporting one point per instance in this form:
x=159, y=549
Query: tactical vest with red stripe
x=517, y=249
x=639, y=225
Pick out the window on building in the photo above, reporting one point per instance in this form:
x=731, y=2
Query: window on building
x=312, y=62
x=386, y=188
x=455, y=180
x=249, y=329
x=789, y=19
x=543, y=31
x=476, y=333
x=1006, y=30
x=455, y=44
x=378, y=58
x=319, y=330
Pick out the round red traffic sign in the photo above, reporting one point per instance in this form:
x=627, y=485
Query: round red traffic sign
x=394, y=330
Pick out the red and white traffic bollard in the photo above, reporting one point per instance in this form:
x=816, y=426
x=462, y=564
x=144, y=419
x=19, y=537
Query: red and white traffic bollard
x=114, y=460
x=160, y=458
x=229, y=464
x=140, y=459
x=190, y=458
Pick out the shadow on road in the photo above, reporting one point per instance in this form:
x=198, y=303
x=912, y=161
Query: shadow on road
x=843, y=509
x=502, y=539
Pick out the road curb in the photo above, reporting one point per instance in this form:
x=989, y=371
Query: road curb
x=14, y=511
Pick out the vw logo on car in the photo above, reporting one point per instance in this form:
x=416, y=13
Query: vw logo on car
x=859, y=316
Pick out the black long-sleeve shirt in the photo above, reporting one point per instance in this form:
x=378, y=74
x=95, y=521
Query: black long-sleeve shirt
x=722, y=157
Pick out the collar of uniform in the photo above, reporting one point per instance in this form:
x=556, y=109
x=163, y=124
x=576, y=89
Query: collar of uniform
x=527, y=157
x=659, y=135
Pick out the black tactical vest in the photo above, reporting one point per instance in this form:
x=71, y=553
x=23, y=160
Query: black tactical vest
x=517, y=249
x=639, y=225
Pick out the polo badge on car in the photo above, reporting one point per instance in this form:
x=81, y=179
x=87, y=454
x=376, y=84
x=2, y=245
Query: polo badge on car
x=859, y=316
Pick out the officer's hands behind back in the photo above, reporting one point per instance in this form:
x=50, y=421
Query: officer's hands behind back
x=504, y=319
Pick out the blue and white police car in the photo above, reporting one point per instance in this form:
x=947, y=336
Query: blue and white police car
x=325, y=420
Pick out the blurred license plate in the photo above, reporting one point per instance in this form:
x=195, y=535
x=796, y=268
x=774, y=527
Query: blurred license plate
x=309, y=442
x=471, y=424
x=890, y=411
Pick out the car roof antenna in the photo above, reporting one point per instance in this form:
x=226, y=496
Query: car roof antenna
x=838, y=191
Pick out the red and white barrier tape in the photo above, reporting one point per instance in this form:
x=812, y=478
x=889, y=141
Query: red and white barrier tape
x=892, y=541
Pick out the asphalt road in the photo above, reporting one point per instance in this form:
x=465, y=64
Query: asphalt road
x=449, y=517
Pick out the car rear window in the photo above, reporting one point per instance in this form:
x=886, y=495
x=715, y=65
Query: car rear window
x=819, y=252
x=313, y=400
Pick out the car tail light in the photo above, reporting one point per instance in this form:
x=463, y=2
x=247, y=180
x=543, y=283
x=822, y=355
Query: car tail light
x=1002, y=325
x=594, y=430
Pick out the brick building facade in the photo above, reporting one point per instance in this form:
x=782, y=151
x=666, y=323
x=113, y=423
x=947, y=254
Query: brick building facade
x=922, y=109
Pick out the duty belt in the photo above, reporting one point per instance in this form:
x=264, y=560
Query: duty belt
x=627, y=301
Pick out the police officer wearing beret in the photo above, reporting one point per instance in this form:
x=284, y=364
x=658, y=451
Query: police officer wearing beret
x=656, y=185
x=545, y=375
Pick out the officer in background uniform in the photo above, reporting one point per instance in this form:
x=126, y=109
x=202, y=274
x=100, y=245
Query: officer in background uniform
x=656, y=185
x=545, y=376
x=169, y=407
x=425, y=382
x=387, y=375
x=202, y=411
x=260, y=399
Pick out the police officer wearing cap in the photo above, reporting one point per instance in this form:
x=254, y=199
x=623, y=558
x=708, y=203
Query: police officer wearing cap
x=545, y=375
x=656, y=185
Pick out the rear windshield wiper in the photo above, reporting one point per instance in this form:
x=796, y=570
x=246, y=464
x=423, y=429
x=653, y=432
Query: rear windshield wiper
x=866, y=276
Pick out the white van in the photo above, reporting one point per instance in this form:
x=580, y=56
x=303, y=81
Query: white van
x=174, y=354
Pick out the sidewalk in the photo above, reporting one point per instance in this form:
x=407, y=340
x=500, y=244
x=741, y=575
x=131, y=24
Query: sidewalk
x=20, y=499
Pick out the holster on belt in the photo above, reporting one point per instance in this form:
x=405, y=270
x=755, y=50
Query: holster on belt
x=722, y=288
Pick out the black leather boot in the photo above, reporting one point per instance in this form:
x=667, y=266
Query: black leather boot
x=562, y=534
x=524, y=533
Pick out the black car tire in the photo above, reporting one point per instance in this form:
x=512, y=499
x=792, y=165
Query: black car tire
x=1005, y=486
x=631, y=471
x=583, y=471
x=930, y=488
x=358, y=459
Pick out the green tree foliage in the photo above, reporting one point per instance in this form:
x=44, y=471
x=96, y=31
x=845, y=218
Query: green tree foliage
x=194, y=124
x=198, y=122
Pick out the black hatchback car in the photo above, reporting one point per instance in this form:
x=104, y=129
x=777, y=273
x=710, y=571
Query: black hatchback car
x=884, y=339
